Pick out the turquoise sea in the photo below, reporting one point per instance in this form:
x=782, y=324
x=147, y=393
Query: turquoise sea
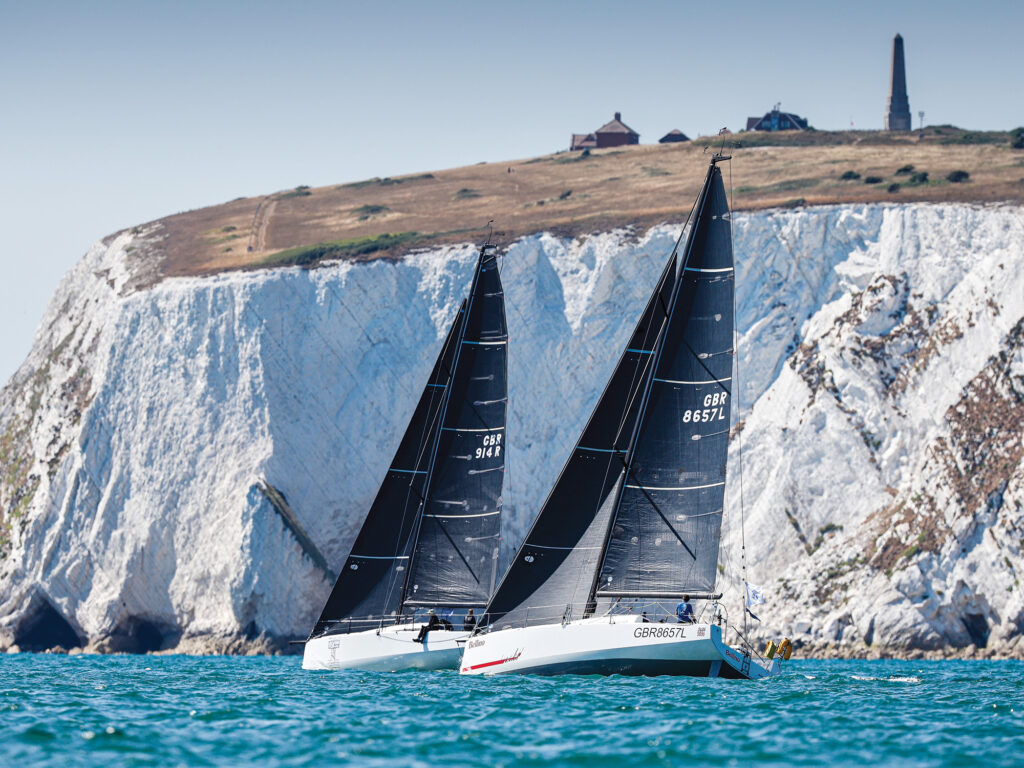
x=179, y=710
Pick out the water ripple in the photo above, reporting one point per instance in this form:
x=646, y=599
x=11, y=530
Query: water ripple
x=171, y=710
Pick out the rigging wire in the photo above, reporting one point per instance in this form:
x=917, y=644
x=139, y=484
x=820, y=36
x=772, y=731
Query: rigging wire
x=737, y=393
x=552, y=380
x=399, y=379
x=424, y=445
x=506, y=489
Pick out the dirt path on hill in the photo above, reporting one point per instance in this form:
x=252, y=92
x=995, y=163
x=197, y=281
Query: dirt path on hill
x=260, y=219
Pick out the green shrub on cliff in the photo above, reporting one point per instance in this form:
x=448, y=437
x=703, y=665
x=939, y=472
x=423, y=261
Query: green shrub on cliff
x=308, y=255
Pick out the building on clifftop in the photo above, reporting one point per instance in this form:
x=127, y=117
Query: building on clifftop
x=777, y=120
x=673, y=136
x=897, y=115
x=612, y=134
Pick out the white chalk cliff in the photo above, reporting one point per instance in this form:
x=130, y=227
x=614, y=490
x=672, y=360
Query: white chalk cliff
x=185, y=461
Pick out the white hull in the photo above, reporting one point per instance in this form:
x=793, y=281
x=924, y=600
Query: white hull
x=389, y=649
x=617, y=645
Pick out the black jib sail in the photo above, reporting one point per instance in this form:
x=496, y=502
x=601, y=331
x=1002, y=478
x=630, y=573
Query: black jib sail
x=637, y=509
x=405, y=529
x=555, y=567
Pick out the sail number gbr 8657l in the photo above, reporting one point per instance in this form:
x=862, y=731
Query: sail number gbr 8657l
x=713, y=410
x=491, y=446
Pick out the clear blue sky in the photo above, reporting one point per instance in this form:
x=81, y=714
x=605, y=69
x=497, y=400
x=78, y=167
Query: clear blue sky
x=116, y=113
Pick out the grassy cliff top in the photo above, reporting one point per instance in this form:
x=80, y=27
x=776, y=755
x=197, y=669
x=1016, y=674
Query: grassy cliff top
x=571, y=193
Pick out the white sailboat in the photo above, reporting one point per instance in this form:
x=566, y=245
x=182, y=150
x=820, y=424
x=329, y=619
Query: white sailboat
x=429, y=545
x=632, y=524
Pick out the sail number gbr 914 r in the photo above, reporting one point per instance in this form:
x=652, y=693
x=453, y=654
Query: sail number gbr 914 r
x=713, y=410
x=491, y=446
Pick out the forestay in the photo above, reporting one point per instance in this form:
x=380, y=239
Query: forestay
x=369, y=586
x=555, y=568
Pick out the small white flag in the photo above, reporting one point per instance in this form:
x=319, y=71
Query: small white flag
x=755, y=595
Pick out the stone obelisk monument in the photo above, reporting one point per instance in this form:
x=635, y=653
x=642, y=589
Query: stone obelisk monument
x=897, y=116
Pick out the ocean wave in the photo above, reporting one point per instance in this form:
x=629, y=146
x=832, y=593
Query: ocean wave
x=889, y=679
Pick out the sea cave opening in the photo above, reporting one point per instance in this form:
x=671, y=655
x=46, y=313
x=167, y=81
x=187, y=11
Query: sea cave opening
x=44, y=628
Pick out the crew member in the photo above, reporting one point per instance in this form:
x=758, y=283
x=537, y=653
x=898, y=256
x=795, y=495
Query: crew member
x=432, y=623
x=684, y=611
x=470, y=622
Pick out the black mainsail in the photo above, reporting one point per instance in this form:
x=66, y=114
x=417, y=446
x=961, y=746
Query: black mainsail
x=637, y=509
x=455, y=560
x=664, y=540
x=432, y=533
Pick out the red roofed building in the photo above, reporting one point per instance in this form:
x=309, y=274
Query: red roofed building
x=612, y=134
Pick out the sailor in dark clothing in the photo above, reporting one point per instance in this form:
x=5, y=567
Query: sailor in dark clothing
x=684, y=611
x=470, y=622
x=432, y=623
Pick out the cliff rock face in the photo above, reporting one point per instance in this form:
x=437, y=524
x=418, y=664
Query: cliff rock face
x=185, y=462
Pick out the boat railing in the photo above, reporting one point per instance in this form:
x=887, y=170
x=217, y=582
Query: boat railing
x=653, y=611
x=749, y=648
x=532, y=616
x=659, y=612
x=404, y=622
x=352, y=624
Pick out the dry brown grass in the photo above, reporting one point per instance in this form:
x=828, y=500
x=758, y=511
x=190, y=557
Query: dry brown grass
x=569, y=194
